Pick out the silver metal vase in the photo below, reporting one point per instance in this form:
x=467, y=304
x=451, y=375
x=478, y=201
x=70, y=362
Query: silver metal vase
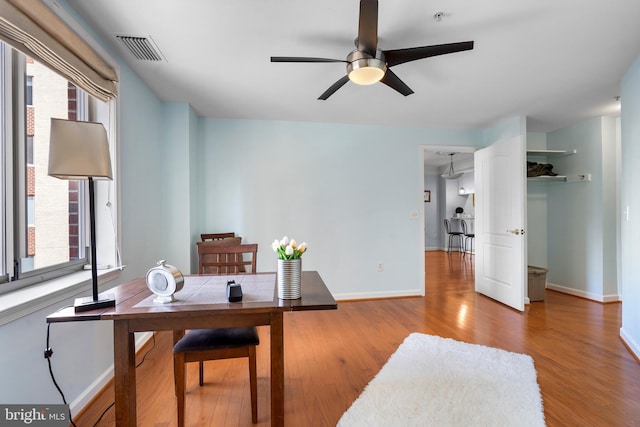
x=289, y=273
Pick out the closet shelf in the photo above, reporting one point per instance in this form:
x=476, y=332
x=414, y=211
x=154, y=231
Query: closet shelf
x=580, y=177
x=547, y=178
x=558, y=178
x=550, y=152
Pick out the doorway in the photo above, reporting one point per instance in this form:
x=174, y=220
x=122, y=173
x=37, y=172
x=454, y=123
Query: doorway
x=499, y=178
x=444, y=196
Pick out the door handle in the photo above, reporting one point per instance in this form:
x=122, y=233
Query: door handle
x=516, y=231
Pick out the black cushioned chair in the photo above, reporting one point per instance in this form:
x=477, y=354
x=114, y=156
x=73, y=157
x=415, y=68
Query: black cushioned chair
x=198, y=345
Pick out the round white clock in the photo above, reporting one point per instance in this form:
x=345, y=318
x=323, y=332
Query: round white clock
x=164, y=281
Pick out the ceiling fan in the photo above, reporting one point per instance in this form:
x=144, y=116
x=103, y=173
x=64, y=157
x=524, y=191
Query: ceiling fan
x=367, y=64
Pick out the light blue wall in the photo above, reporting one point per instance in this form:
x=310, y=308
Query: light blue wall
x=454, y=200
x=194, y=188
x=610, y=205
x=433, y=228
x=142, y=199
x=581, y=231
x=537, y=210
x=346, y=190
x=84, y=352
x=179, y=184
x=630, y=202
x=507, y=128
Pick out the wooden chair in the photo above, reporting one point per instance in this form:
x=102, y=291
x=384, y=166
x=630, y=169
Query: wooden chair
x=216, y=236
x=199, y=345
x=222, y=257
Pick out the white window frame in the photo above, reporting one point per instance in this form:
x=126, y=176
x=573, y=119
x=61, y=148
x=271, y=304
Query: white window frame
x=19, y=301
x=15, y=202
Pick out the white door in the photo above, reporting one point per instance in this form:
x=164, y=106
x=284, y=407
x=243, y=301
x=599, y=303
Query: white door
x=500, y=267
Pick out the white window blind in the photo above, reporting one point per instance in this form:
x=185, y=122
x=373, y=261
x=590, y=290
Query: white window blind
x=31, y=27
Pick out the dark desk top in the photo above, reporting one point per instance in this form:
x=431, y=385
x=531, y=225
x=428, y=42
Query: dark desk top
x=315, y=296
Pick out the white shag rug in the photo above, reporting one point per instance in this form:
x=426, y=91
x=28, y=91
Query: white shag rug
x=434, y=381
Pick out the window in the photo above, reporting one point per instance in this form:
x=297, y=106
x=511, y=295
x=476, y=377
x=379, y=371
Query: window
x=29, y=91
x=29, y=149
x=44, y=217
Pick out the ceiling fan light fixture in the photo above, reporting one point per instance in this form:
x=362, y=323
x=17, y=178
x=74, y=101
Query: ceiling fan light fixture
x=364, y=69
x=367, y=65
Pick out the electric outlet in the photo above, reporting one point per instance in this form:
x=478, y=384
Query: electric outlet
x=380, y=267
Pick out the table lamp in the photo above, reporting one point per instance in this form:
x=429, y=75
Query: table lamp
x=80, y=151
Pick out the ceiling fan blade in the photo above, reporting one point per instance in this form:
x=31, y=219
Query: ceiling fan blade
x=334, y=87
x=394, y=82
x=400, y=56
x=303, y=59
x=368, y=27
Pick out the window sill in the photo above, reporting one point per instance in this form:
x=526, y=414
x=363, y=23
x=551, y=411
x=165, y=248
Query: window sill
x=22, y=302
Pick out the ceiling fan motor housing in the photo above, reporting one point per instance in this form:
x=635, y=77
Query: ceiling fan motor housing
x=364, y=68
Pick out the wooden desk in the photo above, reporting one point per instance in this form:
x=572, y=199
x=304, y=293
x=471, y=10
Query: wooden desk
x=127, y=319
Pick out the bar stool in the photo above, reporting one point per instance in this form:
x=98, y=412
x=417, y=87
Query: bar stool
x=467, y=236
x=452, y=235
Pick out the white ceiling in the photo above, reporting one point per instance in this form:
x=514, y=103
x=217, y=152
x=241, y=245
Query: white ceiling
x=557, y=62
x=440, y=160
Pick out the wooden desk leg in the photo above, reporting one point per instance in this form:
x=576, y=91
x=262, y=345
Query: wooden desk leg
x=277, y=370
x=124, y=373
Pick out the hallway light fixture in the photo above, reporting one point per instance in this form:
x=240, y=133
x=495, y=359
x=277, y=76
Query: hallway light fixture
x=450, y=172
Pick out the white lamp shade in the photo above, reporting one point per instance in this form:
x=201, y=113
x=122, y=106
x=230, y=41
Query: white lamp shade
x=79, y=150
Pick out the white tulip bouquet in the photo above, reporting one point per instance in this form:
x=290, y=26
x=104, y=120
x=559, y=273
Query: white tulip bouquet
x=288, y=248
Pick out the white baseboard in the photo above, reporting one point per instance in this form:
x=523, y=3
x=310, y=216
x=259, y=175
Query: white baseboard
x=90, y=392
x=379, y=295
x=633, y=346
x=584, y=294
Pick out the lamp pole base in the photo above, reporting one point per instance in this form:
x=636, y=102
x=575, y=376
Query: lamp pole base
x=88, y=303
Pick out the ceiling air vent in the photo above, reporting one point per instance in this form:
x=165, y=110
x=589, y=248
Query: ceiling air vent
x=143, y=48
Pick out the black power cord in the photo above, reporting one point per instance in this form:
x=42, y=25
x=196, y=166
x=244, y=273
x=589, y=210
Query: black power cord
x=48, y=352
x=148, y=351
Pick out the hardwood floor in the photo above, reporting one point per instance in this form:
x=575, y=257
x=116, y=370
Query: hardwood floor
x=586, y=375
